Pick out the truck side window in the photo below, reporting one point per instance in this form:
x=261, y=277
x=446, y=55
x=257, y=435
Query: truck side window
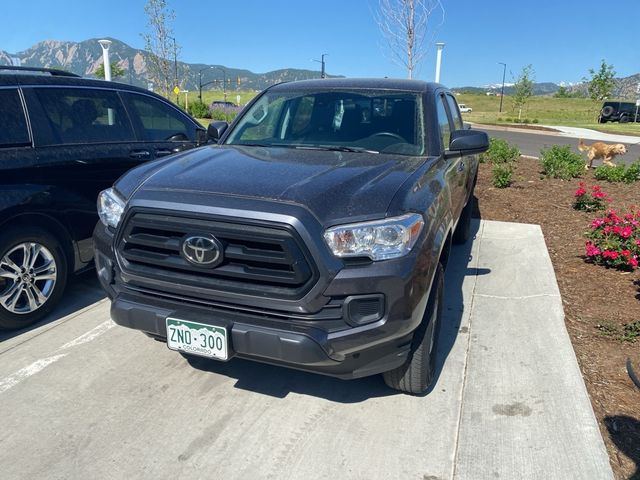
x=443, y=122
x=13, y=124
x=455, y=113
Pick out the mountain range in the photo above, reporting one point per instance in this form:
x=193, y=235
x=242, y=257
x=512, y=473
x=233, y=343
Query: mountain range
x=83, y=58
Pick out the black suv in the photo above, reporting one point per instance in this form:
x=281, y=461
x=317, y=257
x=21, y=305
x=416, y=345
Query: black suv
x=63, y=139
x=623, y=112
x=314, y=235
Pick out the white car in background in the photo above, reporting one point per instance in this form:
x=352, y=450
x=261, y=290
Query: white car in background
x=464, y=109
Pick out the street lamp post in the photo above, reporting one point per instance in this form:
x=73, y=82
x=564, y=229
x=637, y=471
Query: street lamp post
x=504, y=71
x=440, y=46
x=322, y=65
x=200, y=81
x=224, y=82
x=175, y=67
x=105, y=44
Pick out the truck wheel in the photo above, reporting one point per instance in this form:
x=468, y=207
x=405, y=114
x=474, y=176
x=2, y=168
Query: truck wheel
x=33, y=275
x=416, y=374
x=624, y=119
x=463, y=230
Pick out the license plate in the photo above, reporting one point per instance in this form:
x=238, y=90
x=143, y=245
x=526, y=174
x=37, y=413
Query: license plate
x=197, y=338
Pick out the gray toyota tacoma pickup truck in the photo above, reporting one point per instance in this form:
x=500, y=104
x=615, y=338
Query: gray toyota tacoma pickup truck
x=312, y=233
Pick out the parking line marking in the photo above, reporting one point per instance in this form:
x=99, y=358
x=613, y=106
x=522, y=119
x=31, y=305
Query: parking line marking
x=26, y=372
x=90, y=335
x=39, y=365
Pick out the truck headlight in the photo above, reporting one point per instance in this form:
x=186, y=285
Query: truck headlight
x=378, y=240
x=110, y=207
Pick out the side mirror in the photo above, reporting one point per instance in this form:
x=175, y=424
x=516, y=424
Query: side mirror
x=216, y=129
x=201, y=136
x=467, y=142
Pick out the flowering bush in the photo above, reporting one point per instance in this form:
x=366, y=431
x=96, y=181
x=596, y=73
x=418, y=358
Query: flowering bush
x=590, y=201
x=615, y=241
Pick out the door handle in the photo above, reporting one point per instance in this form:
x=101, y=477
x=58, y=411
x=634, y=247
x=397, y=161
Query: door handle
x=163, y=152
x=461, y=166
x=139, y=154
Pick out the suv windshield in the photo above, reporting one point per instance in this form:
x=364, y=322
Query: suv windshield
x=371, y=121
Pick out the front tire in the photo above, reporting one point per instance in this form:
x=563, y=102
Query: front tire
x=33, y=276
x=417, y=373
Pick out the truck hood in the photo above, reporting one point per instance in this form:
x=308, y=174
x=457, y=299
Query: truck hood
x=333, y=185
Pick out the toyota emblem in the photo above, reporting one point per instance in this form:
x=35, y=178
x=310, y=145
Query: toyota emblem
x=202, y=250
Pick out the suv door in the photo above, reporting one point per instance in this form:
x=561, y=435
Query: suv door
x=161, y=128
x=84, y=141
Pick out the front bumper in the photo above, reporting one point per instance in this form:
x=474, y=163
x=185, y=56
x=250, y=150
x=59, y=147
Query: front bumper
x=331, y=344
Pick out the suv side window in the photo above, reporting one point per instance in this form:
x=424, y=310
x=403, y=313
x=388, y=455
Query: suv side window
x=443, y=122
x=80, y=115
x=455, y=113
x=157, y=121
x=13, y=124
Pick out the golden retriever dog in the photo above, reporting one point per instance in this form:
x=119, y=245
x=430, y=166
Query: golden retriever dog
x=603, y=151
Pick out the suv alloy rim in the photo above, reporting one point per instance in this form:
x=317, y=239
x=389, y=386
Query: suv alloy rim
x=28, y=276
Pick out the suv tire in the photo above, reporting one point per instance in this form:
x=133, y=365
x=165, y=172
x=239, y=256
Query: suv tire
x=624, y=119
x=33, y=275
x=607, y=111
x=416, y=374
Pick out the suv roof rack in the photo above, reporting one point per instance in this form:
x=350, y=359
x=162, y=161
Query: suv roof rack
x=51, y=71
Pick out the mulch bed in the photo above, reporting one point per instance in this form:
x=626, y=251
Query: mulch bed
x=597, y=301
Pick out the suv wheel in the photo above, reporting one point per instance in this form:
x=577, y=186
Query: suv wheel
x=624, y=119
x=33, y=275
x=416, y=374
x=607, y=111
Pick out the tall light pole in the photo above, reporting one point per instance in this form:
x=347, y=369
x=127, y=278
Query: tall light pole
x=440, y=46
x=504, y=71
x=322, y=64
x=105, y=44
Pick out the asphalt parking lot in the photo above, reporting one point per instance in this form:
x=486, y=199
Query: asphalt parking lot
x=84, y=398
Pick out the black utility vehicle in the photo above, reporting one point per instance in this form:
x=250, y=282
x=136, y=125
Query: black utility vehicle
x=313, y=236
x=623, y=112
x=63, y=139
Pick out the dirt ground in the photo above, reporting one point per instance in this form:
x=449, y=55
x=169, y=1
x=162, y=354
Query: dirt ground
x=597, y=301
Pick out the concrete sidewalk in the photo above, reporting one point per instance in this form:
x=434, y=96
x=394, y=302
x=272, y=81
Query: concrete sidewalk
x=87, y=399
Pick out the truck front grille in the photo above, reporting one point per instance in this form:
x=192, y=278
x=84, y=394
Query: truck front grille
x=257, y=259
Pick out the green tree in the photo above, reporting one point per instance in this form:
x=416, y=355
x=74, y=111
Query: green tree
x=160, y=43
x=116, y=70
x=601, y=84
x=563, y=92
x=523, y=89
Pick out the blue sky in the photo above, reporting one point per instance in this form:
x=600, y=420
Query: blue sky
x=561, y=39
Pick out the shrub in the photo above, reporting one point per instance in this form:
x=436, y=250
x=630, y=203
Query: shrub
x=535, y=120
x=499, y=119
x=199, y=109
x=561, y=162
x=525, y=121
x=502, y=175
x=590, y=202
x=500, y=151
x=614, y=241
x=619, y=173
x=222, y=115
x=508, y=120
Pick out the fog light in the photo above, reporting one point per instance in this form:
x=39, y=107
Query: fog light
x=363, y=309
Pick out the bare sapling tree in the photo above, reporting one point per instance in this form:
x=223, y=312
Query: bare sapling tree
x=408, y=28
x=161, y=46
x=523, y=89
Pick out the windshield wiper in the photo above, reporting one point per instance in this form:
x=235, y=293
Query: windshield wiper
x=336, y=148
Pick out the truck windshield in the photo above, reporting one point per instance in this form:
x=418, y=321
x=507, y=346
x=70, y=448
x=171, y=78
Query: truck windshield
x=377, y=121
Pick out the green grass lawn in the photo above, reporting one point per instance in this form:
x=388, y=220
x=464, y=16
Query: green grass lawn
x=570, y=112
